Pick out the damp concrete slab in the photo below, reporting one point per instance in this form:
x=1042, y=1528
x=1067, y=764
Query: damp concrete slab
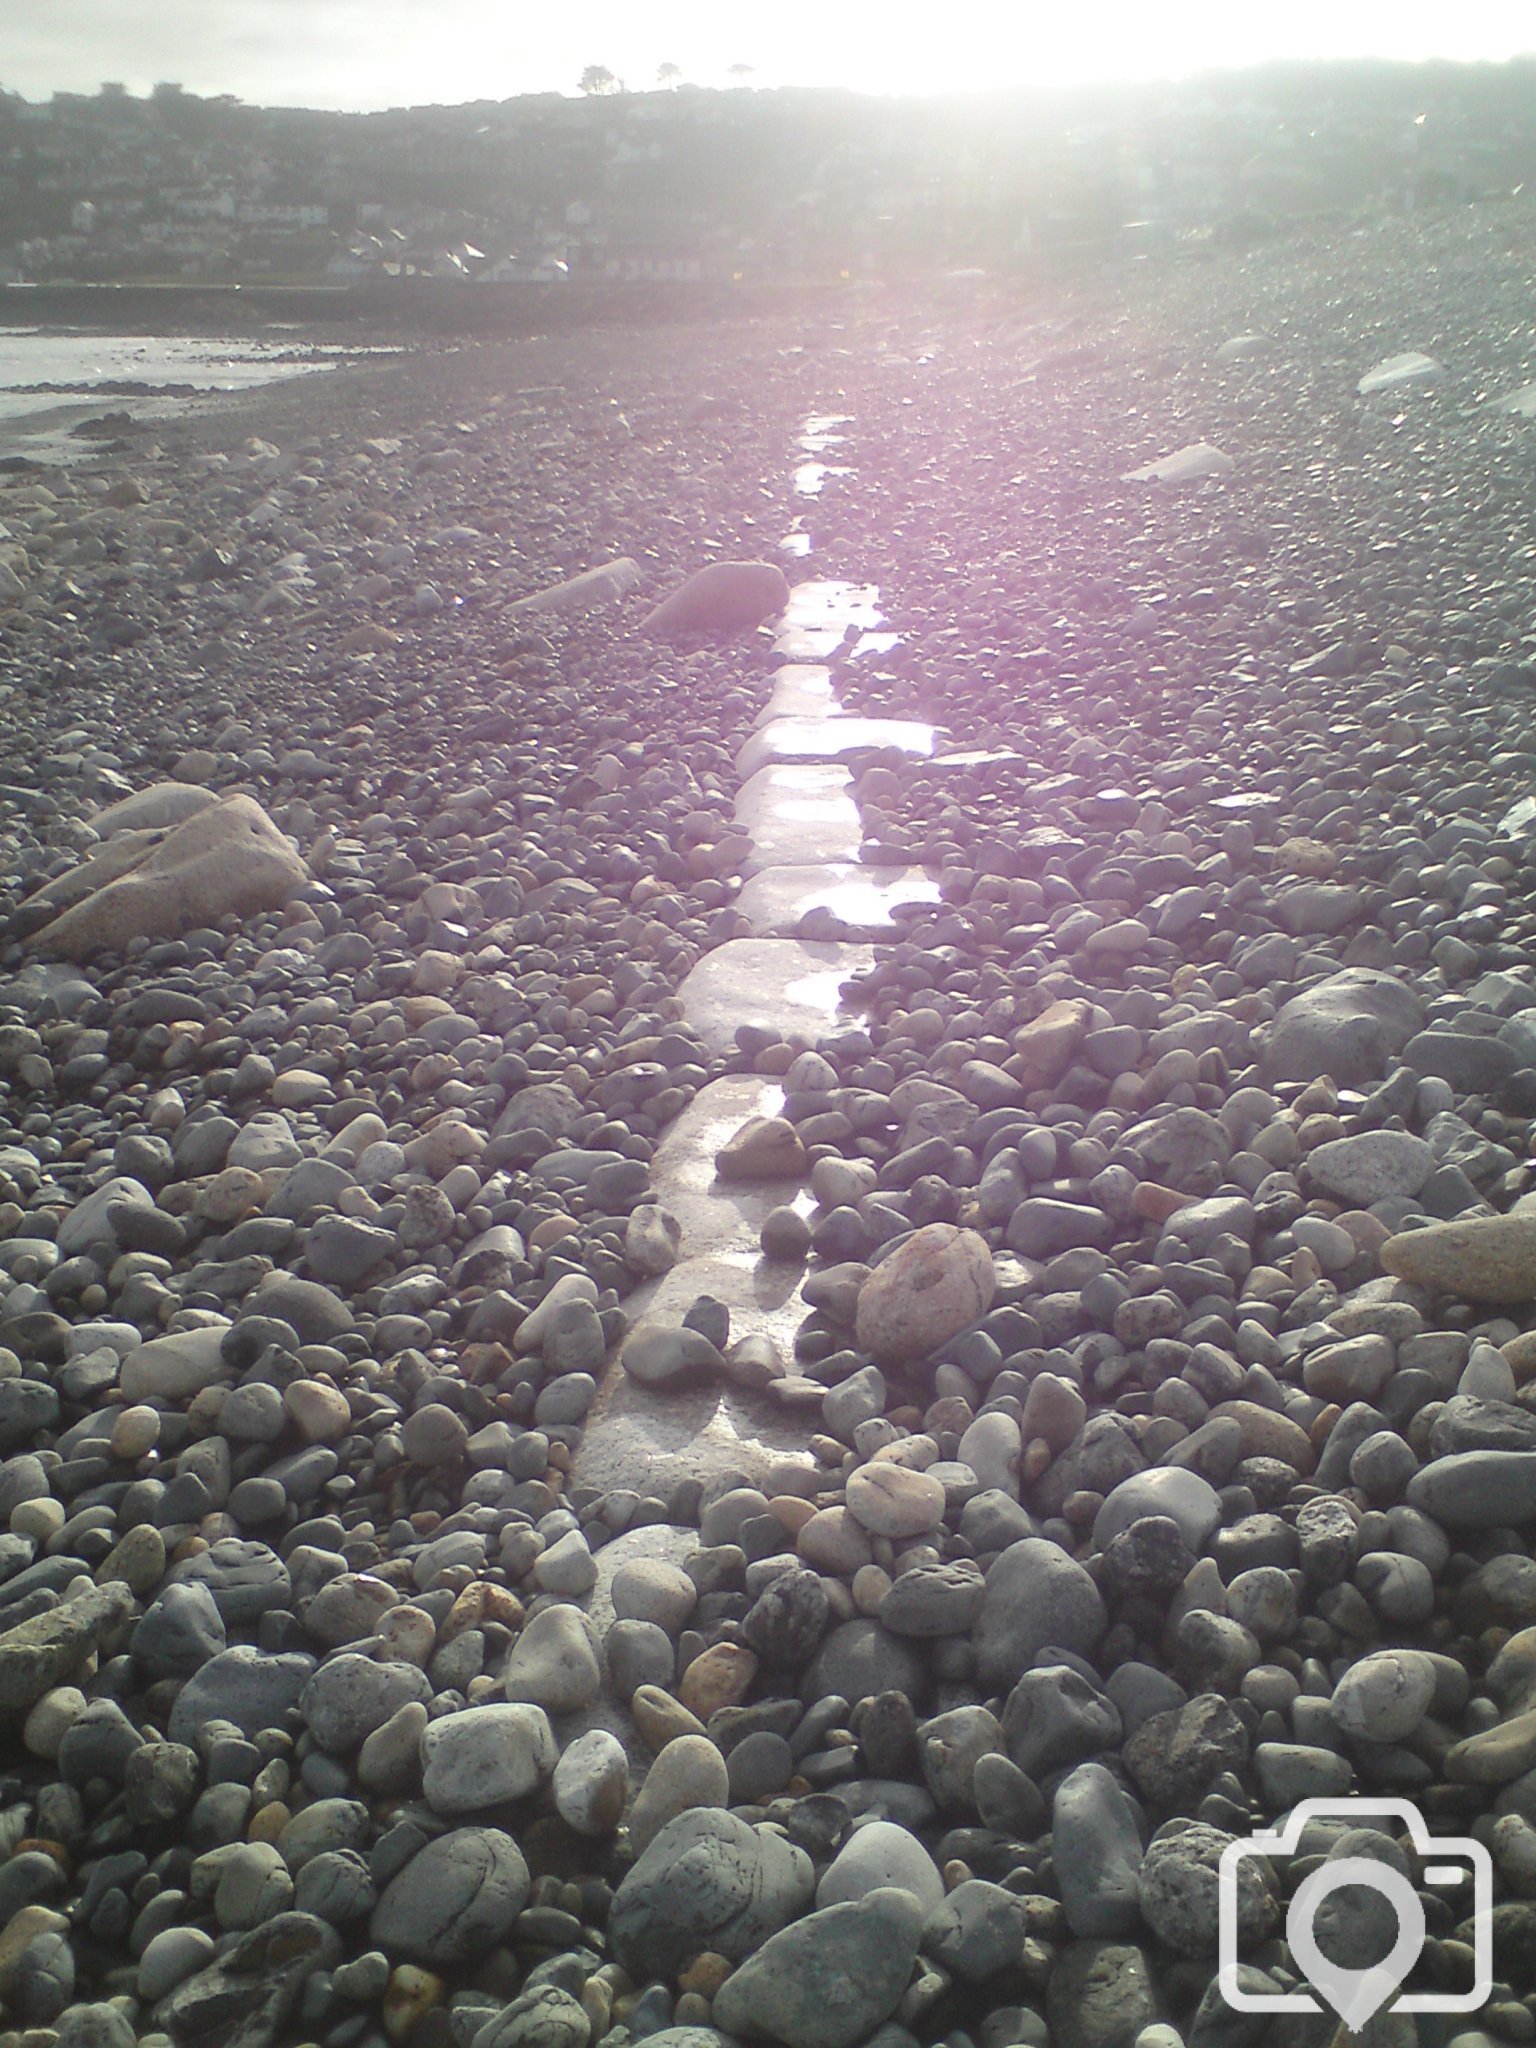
x=833, y=602
x=648, y=1442
x=774, y=900
x=718, y=1217
x=977, y=757
x=810, y=643
x=790, y=986
x=799, y=814
x=801, y=689
x=639, y=1439
x=831, y=739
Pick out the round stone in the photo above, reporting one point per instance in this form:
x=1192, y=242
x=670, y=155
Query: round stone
x=554, y=1662
x=591, y=1783
x=1385, y=1696
x=895, y=1500
x=689, y=1772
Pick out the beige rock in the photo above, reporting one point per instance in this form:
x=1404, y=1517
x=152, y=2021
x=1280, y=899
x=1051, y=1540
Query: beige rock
x=832, y=1540
x=1269, y=1435
x=1043, y=1048
x=890, y=1500
x=154, y=809
x=1521, y=1354
x=349, y=1608
x=593, y=588
x=929, y=1289
x=765, y=1148
x=409, y=1996
x=1486, y=1258
x=1054, y=1412
x=652, y=1239
x=660, y=1718
x=407, y=1634
x=113, y=857
x=51, y=1720
x=228, y=1195
x=390, y=1758
x=554, y=1662
x=137, y=1560
x=724, y=597
x=321, y=1411
x=591, y=1783
x=135, y=1431
x=227, y=860
x=689, y=1772
x=18, y=1934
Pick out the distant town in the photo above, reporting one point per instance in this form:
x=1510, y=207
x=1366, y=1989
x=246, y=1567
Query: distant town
x=679, y=182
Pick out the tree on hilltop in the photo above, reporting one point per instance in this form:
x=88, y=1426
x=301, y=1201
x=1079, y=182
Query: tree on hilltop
x=669, y=75
x=741, y=72
x=597, y=80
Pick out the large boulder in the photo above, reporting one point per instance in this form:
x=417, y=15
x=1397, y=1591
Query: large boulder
x=456, y=1898
x=706, y=1881
x=928, y=1290
x=1483, y=1258
x=154, y=809
x=49, y=1649
x=722, y=598
x=1036, y=1597
x=227, y=860
x=832, y=1978
x=1349, y=1026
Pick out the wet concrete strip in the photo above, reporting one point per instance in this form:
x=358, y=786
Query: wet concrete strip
x=775, y=900
x=646, y=1441
x=799, y=814
x=796, y=806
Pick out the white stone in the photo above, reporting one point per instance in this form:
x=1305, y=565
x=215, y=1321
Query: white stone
x=877, y=1854
x=554, y=1662
x=591, y=1783
x=176, y=1367
x=894, y=1501
x=1385, y=1696
x=1412, y=367
x=1184, y=466
x=486, y=1755
x=689, y=1772
x=569, y=1287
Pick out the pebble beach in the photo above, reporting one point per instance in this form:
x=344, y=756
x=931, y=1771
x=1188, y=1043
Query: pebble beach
x=731, y=1311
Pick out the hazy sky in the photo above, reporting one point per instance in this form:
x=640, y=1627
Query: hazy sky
x=378, y=53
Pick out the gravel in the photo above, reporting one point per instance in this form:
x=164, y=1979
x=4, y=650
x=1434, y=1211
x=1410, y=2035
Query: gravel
x=1132, y=1406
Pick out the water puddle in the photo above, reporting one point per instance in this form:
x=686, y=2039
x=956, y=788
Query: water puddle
x=811, y=476
x=821, y=431
x=776, y=900
x=800, y=690
x=799, y=815
x=873, y=643
x=831, y=739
